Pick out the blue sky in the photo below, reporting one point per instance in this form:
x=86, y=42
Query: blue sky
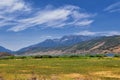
x=27, y=22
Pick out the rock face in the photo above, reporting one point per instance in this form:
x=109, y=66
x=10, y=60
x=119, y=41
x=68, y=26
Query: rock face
x=83, y=45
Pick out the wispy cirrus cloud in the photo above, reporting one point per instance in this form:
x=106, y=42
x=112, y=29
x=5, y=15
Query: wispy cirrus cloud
x=103, y=33
x=55, y=18
x=15, y=15
x=10, y=6
x=113, y=7
x=10, y=10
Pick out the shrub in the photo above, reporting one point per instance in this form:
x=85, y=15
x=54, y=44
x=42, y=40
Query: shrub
x=117, y=55
x=74, y=56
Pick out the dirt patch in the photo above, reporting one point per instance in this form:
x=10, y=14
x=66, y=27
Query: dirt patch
x=77, y=76
x=3, y=64
x=109, y=74
x=97, y=46
x=47, y=67
x=74, y=75
x=24, y=71
x=117, y=49
x=32, y=76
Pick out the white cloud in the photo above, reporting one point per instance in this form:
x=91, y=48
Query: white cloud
x=105, y=33
x=13, y=5
x=14, y=13
x=113, y=8
x=48, y=17
x=10, y=10
x=84, y=23
x=110, y=33
x=86, y=33
x=55, y=18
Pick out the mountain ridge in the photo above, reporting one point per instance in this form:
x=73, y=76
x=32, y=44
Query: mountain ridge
x=101, y=45
x=73, y=44
x=3, y=49
x=109, y=44
x=54, y=44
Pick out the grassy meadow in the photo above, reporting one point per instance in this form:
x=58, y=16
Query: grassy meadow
x=60, y=69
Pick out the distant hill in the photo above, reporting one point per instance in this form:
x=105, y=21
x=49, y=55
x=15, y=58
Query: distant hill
x=54, y=44
x=2, y=49
x=3, y=54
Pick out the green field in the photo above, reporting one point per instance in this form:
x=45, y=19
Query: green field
x=60, y=69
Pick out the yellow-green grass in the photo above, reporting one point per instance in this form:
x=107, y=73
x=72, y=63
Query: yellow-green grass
x=60, y=69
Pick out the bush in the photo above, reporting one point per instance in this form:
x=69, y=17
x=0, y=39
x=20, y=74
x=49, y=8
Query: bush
x=20, y=57
x=46, y=56
x=37, y=57
x=73, y=56
x=100, y=55
x=42, y=56
x=117, y=55
x=95, y=55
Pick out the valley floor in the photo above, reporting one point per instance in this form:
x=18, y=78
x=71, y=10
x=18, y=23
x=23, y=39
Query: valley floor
x=60, y=69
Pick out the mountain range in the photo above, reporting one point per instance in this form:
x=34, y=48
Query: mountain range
x=53, y=44
x=73, y=44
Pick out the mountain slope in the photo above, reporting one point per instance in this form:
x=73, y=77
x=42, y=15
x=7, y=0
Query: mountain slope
x=109, y=44
x=2, y=49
